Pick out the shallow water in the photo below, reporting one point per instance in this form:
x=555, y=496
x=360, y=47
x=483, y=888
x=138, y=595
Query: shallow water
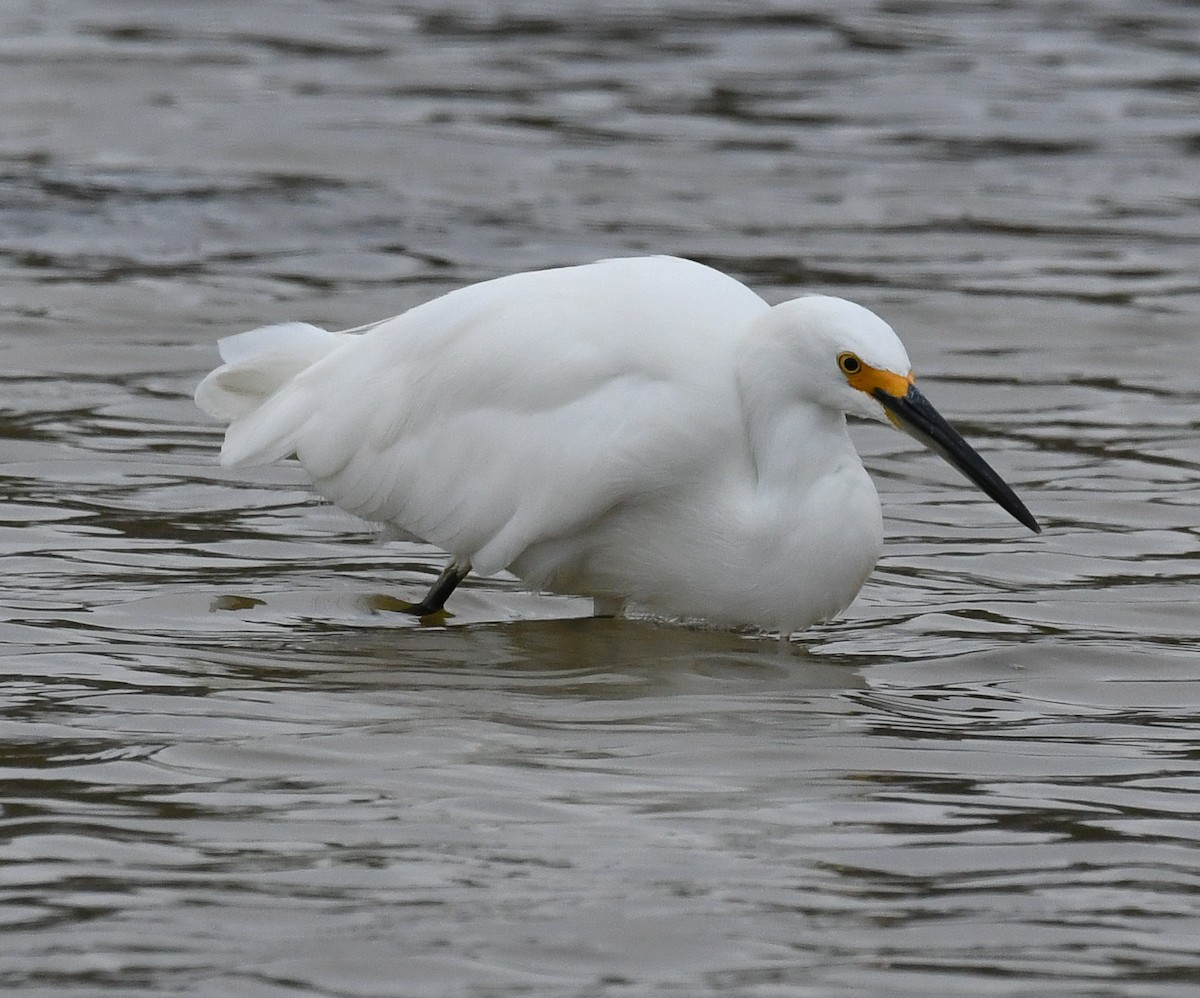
x=226, y=774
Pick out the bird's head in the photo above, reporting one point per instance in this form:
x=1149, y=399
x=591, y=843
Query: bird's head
x=856, y=364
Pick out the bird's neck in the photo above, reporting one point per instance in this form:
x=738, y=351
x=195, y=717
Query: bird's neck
x=793, y=441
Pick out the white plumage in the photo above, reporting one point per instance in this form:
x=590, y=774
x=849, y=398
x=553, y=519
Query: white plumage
x=638, y=429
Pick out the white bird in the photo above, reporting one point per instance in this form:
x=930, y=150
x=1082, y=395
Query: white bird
x=645, y=430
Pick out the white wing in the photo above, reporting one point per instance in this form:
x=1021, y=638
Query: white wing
x=520, y=409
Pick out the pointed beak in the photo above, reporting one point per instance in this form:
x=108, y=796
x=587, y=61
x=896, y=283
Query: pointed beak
x=912, y=413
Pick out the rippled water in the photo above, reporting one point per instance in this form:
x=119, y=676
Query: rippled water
x=226, y=773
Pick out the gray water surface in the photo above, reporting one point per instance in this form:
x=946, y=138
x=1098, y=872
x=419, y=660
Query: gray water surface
x=227, y=772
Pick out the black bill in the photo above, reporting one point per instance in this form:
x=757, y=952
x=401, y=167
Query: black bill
x=916, y=416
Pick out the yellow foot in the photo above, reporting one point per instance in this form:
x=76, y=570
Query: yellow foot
x=235, y=603
x=382, y=603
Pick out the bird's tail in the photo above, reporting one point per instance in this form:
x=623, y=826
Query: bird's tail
x=258, y=366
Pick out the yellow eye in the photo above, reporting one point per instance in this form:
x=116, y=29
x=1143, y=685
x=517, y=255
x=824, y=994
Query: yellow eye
x=849, y=363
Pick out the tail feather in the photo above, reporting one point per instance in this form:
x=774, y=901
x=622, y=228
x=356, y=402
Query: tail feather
x=258, y=365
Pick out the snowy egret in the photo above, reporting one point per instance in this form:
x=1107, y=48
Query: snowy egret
x=645, y=430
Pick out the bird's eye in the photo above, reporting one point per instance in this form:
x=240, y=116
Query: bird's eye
x=849, y=363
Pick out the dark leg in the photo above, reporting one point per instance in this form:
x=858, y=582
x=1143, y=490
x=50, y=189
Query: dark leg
x=439, y=592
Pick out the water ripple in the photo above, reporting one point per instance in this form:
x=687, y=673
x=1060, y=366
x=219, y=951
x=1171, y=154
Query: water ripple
x=229, y=770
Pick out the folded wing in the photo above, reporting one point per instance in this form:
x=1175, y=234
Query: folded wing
x=504, y=413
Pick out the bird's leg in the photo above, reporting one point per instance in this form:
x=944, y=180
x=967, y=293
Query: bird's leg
x=440, y=591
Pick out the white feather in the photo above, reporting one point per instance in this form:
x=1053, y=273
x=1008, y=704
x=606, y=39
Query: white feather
x=257, y=364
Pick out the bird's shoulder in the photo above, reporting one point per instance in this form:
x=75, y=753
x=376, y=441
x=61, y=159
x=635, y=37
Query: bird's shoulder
x=638, y=333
